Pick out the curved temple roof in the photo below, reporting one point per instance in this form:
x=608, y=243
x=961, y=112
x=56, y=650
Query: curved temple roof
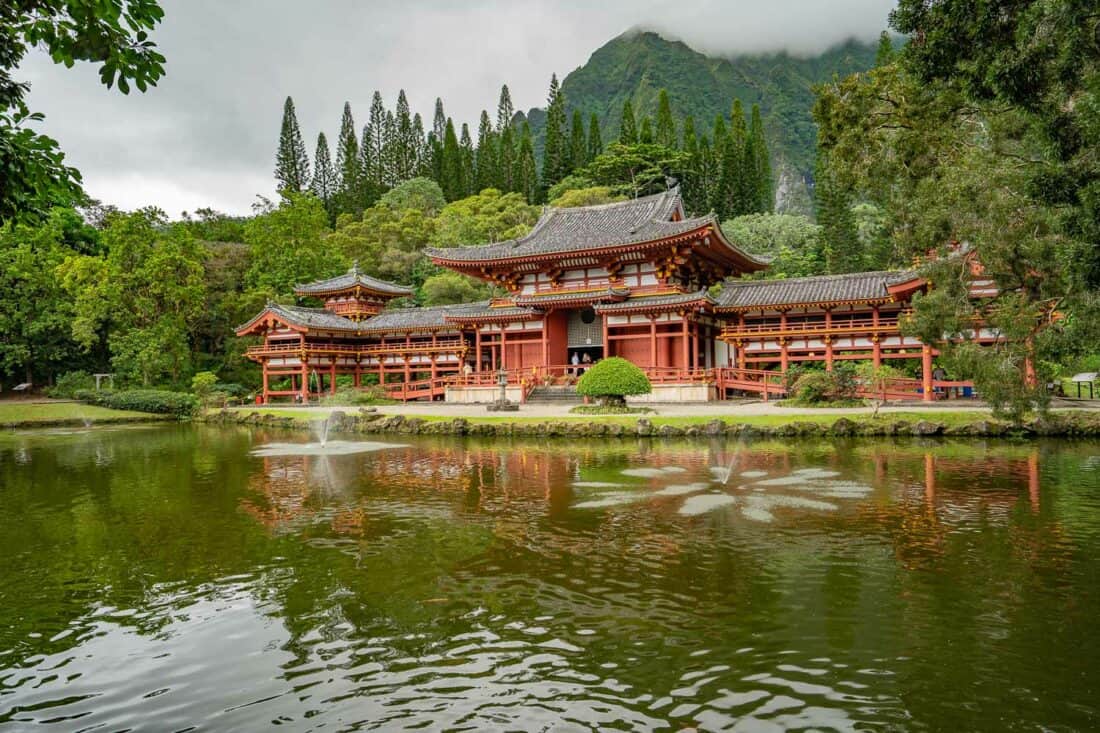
x=645, y=219
x=350, y=280
x=818, y=290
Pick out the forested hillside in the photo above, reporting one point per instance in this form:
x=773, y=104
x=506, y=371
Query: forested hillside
x=636, y=66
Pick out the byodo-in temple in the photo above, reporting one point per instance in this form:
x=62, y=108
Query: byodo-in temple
x=636, y=279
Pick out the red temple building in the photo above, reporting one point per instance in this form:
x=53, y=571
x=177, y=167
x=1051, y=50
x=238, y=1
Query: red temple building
x=636, y=279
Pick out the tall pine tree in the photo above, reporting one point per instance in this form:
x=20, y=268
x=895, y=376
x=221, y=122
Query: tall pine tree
x=324, y=177
x=554, y=152
x=738, y=166
x=628, y=132
x=505, y=110
x=451, y=181
x=718, y=195
x=506, y=160
x=839, y=240
x=645, y=134
x=469, y=176
x=578, y=145
x=666, y=125
x=595, y=139
x=692, y=187
x=375, y=140
x=486, y=154
x=435, y=142
x=347, y=165
x=526, y=176
x=761, y=164
x=404, y=145
x=292, y=160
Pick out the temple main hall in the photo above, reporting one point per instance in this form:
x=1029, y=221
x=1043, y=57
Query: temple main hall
x=636, y=279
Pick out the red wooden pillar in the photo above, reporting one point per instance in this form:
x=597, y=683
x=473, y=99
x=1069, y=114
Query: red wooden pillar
x=267, y=388
x=305, y=380
x=544, y=337
x=477, y=348
x=503, y=357
x=332, y=376
x=876, y=351
x=606, y=340
x=828, y=340
x=783, y=356
x=653, y=340
x=684, y=342
x=926, y=372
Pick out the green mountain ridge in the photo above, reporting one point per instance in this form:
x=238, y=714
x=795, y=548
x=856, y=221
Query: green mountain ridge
x=638, y=64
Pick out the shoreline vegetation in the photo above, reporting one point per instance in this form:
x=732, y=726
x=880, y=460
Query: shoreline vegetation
x=1069, y=424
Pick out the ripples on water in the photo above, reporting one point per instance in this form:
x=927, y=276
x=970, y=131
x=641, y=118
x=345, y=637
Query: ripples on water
x=167, y=579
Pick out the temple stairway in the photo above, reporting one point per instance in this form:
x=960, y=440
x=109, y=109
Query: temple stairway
x=556, y=394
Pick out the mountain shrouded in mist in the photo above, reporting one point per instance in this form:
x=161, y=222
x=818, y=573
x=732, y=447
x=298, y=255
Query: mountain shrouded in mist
x=638, y=64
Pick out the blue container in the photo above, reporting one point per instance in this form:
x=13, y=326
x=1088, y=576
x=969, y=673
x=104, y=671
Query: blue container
x=968, y=391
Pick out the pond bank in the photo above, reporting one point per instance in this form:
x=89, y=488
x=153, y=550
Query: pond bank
x=950, y=424
x=20, y=414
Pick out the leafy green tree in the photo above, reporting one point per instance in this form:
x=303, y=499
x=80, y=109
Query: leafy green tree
x=488, y=216
x=209, y=225
x=839, y=239
x=291, y=161
x=287, y=246
x=595, y=139
x=645, y=135
x=388, y=239
x=555, y=151
x=569, y=183
x=147, y=292
x=636, y=170
x=115, y=35
x=446, y=288
x=324, y=184
x=793, y=242
x=628, y=132
x=422, y=194
x=35, y=311
x=885, y=54
x=590, y=196
x=202, y=385
x=578, y=146
x=666, y=125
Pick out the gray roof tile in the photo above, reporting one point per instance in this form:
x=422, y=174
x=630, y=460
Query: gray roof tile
x=823, y=289
x=588, y=227
x=398, y=319
x=349, y=280
x=653, y=301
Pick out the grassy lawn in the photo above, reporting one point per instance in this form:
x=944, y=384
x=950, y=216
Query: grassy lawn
x=939, y=416
x=46, y=412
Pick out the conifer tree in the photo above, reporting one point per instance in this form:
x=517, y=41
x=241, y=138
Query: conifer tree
x=692, y=187
x=469, y=175
x=324, y=177
x=595, y=139
x=884, y=54
x=292, y=160
x=526, y=175
x=645, y=134
x=375, y=141
x=761, y=164
x=628, y=133
x=368, y=190
x=404, y=146
x=578, y=145
x=505, y=111
x=486, y=154
x=666, y=126
x=451, y=164
x=420, y=144
x=718, y=196
x=347, y=164
x=738, y=165
x=555, y=150
x=506, y=162
x=435, y=142
x=839, y=239
x=390, y=150
x=707, y=176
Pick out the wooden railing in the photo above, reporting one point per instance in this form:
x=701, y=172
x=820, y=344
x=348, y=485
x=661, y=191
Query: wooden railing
x=854, y=325
x=397, y=347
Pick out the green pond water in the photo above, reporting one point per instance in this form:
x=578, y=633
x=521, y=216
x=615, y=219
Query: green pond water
x=200, y=578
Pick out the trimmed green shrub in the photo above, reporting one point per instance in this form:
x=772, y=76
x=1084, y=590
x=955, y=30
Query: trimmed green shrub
x=816, y=388
x=158, y=401
x=611, y=380
x=69, y=383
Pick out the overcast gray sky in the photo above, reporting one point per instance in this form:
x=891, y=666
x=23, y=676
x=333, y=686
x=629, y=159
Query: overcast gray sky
x=206, y=135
